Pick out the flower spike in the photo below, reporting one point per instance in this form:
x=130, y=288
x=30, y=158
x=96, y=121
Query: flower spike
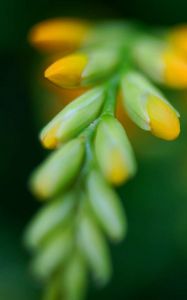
x=92, y=153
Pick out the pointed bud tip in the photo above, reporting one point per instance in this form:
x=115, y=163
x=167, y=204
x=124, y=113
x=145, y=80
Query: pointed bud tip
x=117, y=173
x=67, y=71
x=164, y=122
x=48, y=139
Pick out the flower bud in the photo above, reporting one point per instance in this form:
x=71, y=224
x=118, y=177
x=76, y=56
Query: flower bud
x=48, y=219
x=113, y=151
x=74, y=278
x=59, y=34
x=73, y=118
x=53, y=254
x=93, y=246
x=106, y=206
x=148, y=108
x=161, y=62
x=84, y=68
x=59, y=170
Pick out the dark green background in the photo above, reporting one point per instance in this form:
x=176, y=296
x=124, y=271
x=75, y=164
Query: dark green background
x=152, y=262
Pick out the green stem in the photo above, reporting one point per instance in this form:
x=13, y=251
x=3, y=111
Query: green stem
x=111, y=96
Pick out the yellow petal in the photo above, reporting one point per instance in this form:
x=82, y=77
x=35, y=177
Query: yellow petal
x=164, y=122
x=175, y=73
x=67, y=71
x=58, y=34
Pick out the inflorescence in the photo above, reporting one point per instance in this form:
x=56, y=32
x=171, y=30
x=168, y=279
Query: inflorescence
x=111, y=62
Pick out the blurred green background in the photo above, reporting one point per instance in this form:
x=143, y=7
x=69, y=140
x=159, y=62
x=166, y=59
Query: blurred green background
x=152, y=262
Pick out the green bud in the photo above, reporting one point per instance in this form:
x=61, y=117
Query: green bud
x=59, y=170
x=73, y=118
x=49, y=218
x=101, y=63
x=109, y=33
x=147, y=54
x=74, y=278
x=54, y=253
x=106, y=206
x=113, y=151
x=93, y=246
x=136, y=92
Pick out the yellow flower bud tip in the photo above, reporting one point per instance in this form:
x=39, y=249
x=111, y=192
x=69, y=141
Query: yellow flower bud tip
x=117, y=169
x=175, y=70
x=164, y=122
x=58, y=34
x=67, y=72
x=40, y=190
x=48, y=138
x=178, y=38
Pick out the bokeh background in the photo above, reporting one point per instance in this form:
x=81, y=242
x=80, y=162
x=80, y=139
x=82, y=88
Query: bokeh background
x=152, y=262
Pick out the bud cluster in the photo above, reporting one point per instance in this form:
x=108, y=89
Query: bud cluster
x=91, y=150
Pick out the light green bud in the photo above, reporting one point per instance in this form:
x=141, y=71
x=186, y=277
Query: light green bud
x=147, y=54
x=73, y=118
x=54, y=253
x=59, y=170
x=93, y=246
x=55, y=214
x=113, y=151
x=101, y=63
x=74, y=278
x=106, y=206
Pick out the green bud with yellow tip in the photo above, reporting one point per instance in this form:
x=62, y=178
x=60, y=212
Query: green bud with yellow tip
x=148, y=108
x=53, y=215
x=94, y=248
x=106, y=206
x=113, y=151
x=59, y=170
x=73, y=118
x=83, y=68
x=53, y=253
x=161, y=61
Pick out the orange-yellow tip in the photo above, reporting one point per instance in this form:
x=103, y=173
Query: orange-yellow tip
x=58, y=34
x=164, y=122
x=117, y=171
x=67, y=71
